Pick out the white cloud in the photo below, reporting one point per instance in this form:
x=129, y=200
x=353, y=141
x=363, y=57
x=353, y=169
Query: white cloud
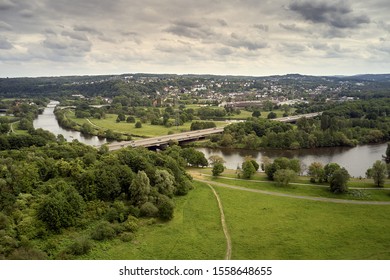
x=246, y=37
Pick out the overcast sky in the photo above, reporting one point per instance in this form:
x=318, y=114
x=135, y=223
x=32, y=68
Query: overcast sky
x=238, y=37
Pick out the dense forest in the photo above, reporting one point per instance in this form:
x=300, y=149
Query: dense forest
x=86, y=194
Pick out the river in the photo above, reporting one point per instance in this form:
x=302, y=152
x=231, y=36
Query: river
x=48, y=121
x=356, y=160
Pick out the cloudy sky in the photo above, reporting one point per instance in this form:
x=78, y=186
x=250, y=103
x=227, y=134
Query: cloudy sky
x=239, y=37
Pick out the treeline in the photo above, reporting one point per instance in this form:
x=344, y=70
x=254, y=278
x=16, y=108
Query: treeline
x=346, y=124
x=202, y=125
x=85, y=195
x=36, y=137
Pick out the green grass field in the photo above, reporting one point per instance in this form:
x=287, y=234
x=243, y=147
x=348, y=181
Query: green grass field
x=147, y=130
x=261, y=227
x=265, y=227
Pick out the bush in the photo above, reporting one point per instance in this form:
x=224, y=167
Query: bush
x=165, y=208
x=103, y=231
x=131, y=224
x=127, y=236
x=27, y=253
x=218, y=168
x=148, y=210
x=138, y=124
x=80, y=246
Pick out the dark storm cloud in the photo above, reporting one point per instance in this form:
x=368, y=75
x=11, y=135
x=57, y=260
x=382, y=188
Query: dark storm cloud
x=335, y=14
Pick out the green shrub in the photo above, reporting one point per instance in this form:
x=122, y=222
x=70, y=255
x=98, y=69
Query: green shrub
x=27, y=253
x=148, y=209
x=103, y=231
x=131, y=224
x=80, y=246
x=127, y=236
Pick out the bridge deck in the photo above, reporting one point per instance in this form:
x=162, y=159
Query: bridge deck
x=190, y=135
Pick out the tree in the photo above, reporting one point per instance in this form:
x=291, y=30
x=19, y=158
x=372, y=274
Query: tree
x=121, y=117
x=214, y=159
x=138, y=124
x=256, y=114
x=270, y=170
x=218, y=168
x=86, y=128
x=338, y=181
x=248, y=170
x=59, y=209
x=378, y=172
x=194, y=157
x=227, y=140
x=329, y=169
x=165, y=208
x=316, y=172
x=130, y=119
x=139, y=189
x=271, y=115
x=268, y=105
x=165, y=182
x=387, y=156
x=284, y=176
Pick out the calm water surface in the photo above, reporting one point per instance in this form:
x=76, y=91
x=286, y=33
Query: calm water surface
x=48, y=121
x=356, y=160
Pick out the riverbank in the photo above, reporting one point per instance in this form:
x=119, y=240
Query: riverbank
x=356, y=160
x=359, y=189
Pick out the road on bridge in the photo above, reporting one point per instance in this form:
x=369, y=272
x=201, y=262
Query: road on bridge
x=190, y=135
x=165, y=139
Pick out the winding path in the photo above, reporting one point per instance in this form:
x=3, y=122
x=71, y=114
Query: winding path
x=313, y=198
x=224, y=226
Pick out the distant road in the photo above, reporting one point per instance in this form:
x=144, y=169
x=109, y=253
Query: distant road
x=190, y=135
x=297, y=117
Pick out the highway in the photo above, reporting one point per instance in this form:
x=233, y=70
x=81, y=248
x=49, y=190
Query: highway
x=190, y=135
x=297, y=117
x=165, y=139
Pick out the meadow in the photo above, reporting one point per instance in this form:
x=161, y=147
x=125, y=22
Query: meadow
x=261, y=227
x=147, y=130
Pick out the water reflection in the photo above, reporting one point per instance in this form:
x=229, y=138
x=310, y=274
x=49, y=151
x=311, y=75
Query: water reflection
x=356, y=160
x=48, y=121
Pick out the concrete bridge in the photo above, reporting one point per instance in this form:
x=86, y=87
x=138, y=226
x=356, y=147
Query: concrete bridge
x=164, y=140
